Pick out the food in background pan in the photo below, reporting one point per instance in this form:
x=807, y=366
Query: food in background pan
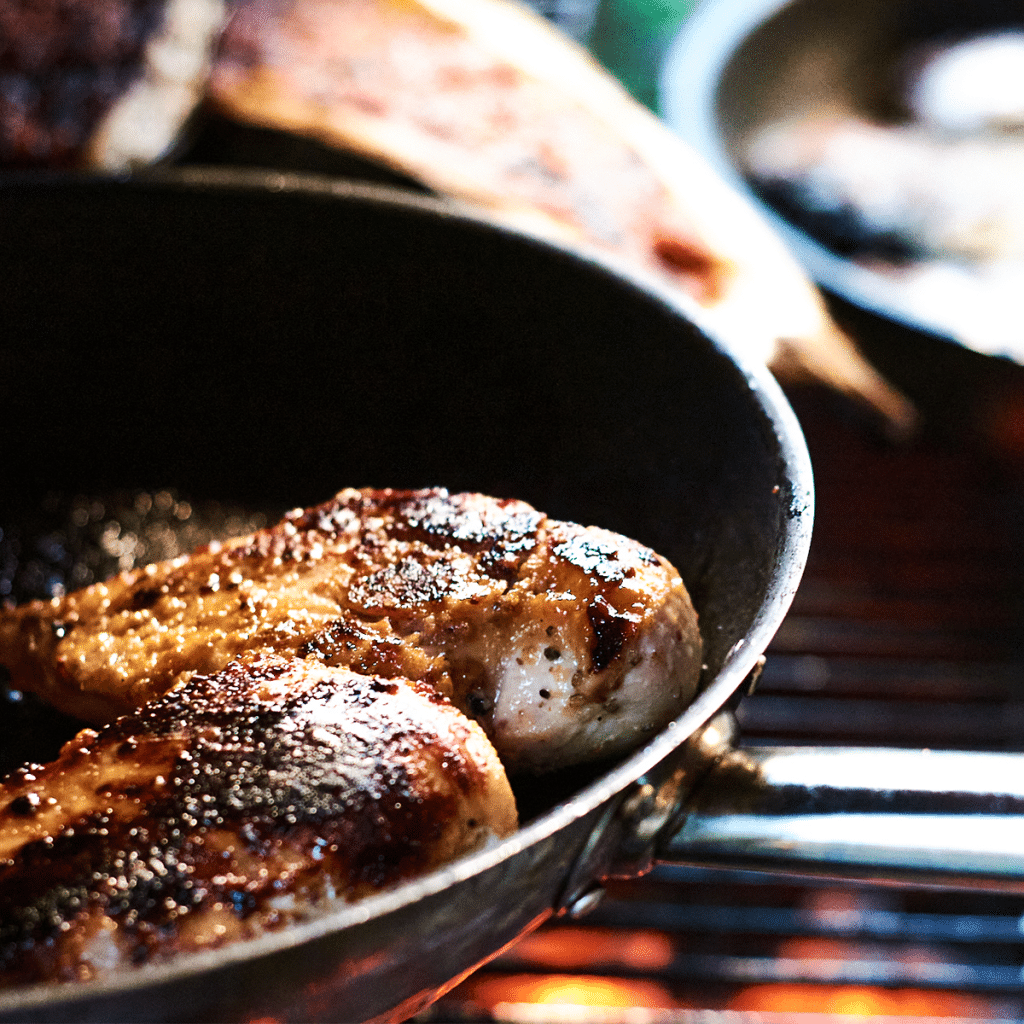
x=316, y=711
x=477, y=99
x=930, y=199
x=900, y=192
x=484, y=101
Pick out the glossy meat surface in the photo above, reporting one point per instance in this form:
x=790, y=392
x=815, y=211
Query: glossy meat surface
x=565, y=642
x=238, y=802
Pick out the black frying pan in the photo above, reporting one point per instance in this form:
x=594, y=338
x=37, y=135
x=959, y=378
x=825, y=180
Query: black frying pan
x=263, y=340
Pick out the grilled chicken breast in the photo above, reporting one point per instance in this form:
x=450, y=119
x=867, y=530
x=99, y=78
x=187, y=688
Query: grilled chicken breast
x=285, y=719
x=566, y=643
x=236, y=803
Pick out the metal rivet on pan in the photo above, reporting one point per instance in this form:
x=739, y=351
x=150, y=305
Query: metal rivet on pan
x=583, y=905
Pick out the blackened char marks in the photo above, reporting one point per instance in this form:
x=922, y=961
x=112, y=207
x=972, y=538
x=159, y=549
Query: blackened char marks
x=144, y=881
x=414, y=582
x=612, y=628
x=501, y=532
x=300, y=756
x=370, y=648
x=600, y=557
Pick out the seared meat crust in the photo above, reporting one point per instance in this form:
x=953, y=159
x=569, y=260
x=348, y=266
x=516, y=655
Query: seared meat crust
x=236, y=803
x=295, y=716
x=565, y=642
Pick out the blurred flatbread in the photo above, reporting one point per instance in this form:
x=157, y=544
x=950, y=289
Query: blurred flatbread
x=484, y=101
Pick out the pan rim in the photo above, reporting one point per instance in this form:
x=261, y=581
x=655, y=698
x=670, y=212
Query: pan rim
x=790, y=560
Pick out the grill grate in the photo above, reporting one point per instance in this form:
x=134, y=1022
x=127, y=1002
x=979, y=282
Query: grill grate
x=907, y=630
x=908, y=627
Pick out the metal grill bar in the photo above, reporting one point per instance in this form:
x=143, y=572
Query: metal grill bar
x=859, y=924
x=908, y=723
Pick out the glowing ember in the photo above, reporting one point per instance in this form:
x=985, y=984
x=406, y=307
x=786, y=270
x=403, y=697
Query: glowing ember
x=569, y=948
x=511, y=995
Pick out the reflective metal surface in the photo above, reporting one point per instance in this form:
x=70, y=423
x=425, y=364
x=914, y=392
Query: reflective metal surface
x=934, y=817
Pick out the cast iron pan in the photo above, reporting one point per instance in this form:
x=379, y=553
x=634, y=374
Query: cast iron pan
x=258, y=341
x=246, y=342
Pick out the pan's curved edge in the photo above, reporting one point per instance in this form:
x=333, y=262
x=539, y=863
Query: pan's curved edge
x=562, y=831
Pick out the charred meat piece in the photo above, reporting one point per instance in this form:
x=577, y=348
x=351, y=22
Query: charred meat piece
x=566, y=643
x=100, y=83
x=424, y=89
x=235, y=804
